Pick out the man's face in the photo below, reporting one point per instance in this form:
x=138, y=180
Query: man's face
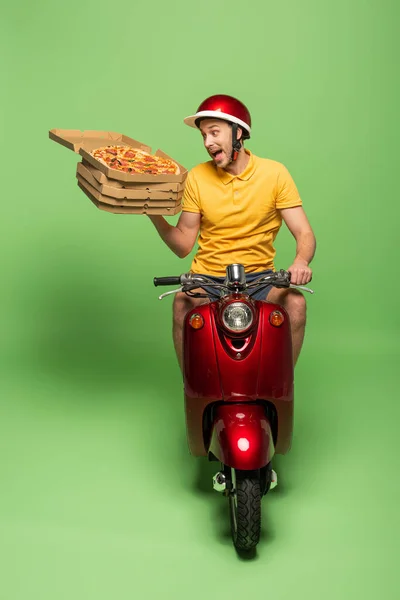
x=217, y=137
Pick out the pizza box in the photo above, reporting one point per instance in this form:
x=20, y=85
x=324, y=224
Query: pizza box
x=103, y=179
x=150, y=207
x=142, y=193
x=147, y=178
x=83, y=142
x=141, y=202
x=123, y=210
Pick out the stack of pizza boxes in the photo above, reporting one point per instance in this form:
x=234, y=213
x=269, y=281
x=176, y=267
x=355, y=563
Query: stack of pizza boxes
x=115, y=191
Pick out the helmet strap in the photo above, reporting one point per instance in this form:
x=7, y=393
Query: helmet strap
x=236, y=144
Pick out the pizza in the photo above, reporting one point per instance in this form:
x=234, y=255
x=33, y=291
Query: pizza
x=135, y=161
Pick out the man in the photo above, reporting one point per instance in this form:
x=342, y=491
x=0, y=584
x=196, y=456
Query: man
x=238, y=201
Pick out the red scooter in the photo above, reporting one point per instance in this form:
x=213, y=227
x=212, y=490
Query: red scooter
x=238, y=387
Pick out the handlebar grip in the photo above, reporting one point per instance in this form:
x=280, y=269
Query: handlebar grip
x=166, y=281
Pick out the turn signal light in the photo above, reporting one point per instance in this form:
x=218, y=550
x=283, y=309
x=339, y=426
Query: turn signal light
x=196, y=321
x=276, y=318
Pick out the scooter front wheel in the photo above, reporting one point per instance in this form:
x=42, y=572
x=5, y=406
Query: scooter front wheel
x=245, y=509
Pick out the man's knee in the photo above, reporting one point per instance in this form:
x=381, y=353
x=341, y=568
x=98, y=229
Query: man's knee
x=179, y=307
x=296, y=306
x=182, y=305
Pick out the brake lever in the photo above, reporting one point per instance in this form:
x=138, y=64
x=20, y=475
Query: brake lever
x=302, y=287
x=169, y=293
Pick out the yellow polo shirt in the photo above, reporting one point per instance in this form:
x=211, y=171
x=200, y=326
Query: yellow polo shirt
x=240, y=215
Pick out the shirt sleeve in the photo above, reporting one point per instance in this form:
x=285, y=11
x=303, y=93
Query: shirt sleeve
x=287, y=194
x=191, y=200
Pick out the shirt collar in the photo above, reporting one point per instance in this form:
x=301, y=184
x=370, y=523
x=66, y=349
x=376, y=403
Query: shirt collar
x=244, y=176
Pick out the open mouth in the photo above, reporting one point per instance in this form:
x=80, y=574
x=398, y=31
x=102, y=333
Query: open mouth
x=218, y=155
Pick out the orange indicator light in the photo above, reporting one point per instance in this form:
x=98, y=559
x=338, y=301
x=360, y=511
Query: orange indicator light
x=276, y=318
x=196, y=321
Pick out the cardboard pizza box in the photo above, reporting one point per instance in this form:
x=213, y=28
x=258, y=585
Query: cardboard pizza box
x=103, y=179
x=141, y=193
x=126, y=210
x=134, y=202
x=84, y=142
x=154, y=207
x=74, y=139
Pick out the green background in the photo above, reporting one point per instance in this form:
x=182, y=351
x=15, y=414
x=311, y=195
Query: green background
x=99, y=495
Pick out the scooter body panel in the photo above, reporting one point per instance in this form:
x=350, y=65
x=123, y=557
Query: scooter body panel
x=241, y=436
x=215, y=371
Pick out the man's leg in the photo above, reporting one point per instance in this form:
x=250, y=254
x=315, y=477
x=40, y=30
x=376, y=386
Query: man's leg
x=182, y=305
x=294, y=303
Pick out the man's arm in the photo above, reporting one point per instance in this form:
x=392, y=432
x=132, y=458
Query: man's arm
x=182, y=237
x=297, y=223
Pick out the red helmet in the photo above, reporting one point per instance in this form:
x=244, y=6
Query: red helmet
x=223, y=107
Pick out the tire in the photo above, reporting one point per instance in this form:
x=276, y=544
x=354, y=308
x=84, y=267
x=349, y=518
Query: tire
x=245, y=510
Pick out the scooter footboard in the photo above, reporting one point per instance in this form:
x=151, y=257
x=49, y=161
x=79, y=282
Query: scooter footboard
x=241, y=436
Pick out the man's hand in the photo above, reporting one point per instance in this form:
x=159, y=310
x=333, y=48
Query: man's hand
x=300, y=273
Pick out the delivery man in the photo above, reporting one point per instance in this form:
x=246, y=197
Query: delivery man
x=237, y=202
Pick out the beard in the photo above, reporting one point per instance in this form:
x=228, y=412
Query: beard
x=223, y=159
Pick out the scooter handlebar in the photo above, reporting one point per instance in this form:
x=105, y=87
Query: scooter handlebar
x=279, y=279
x=166, y=281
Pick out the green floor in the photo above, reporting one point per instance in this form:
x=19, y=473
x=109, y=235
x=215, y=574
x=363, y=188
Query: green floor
x=100, y=498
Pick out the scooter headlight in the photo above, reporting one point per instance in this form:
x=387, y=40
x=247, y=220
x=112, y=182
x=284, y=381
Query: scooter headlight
x=237, y=317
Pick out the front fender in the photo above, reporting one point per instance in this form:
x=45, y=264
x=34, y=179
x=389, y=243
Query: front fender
x=241, y=436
